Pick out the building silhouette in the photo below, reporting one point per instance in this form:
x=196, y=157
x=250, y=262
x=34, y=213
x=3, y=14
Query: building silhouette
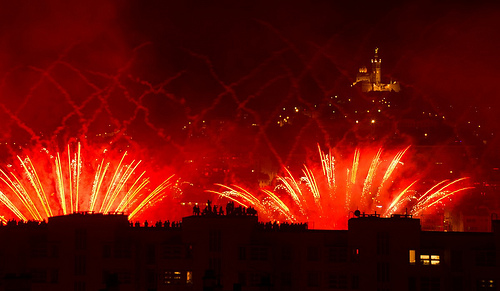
x=372, y=81
x=233, y=251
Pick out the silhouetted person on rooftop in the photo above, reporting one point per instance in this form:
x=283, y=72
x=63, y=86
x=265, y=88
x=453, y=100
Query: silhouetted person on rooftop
x=251, y=211
x=229, y=208
x=209, y=206
x=196, y=210
x=238, y=210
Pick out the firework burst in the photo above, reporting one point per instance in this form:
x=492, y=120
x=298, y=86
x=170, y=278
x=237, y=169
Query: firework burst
x=326, y=194
x=60, y=184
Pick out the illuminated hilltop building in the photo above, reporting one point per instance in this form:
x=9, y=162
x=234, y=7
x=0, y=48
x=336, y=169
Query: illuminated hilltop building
x=373, y=81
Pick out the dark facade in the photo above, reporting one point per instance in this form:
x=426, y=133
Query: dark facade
x=220, y=252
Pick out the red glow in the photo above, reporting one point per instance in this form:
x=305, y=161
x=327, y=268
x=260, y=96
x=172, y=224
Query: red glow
x=42, y=183
x=238, y=94
x=327, y=194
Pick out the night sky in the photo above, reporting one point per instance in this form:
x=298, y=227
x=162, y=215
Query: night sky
x=181, y=81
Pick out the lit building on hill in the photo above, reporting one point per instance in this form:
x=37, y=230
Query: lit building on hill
x=372, y=81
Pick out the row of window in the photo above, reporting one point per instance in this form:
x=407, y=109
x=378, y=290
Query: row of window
x=425, y=259
x=313, y=279
x=340, y=255
x=486, y=258
x=124, y=277
x=261, y=253
x=177, y=277
x=434, y=284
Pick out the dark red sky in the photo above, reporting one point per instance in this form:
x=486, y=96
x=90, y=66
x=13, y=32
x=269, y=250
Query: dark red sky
x=145, y=75
x=75, y=68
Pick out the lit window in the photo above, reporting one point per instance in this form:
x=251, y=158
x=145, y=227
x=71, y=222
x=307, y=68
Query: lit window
x=425, y=259
x=412, y=257
x=189, y=277
x=172, y=278
x=434, y=260
x=487, y=284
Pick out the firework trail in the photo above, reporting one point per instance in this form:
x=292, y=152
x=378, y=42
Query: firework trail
x=325, y=195
x=267, y=205
x=73, y=184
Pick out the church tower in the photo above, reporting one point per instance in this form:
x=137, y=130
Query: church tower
x=373, y=81
x=376, y=70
